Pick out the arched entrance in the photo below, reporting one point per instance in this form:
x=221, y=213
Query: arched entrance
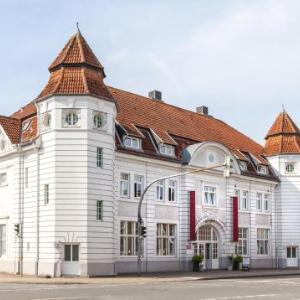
x=207, y=244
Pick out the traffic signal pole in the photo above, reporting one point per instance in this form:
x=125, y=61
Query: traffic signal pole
x=226, y=164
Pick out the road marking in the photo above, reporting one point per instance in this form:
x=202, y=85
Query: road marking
x=242, y=297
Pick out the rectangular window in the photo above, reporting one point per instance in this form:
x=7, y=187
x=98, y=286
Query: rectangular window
x=132, y=142
x=160, y=190
x=124, y=185
x=46, y=194
x=259, y=201
x=210, y=195
x=99, y=210
x=2, y=240
x=167, y=149
x=128, y=238
x=138, y=186
x=242, y=245
x=26, y=177
x=3, y=179
x=263, y=241
x=71, y=253
x=99, y=157
x=172, y=190
x=267, y=202
x=166, y=240
x=243, y=201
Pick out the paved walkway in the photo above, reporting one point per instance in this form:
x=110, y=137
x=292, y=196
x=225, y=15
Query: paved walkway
x=149, y=277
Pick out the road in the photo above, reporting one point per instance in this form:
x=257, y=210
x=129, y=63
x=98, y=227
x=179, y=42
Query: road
x=287, y=288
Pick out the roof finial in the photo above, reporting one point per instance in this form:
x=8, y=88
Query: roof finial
x=283, y=108
x=77, y=25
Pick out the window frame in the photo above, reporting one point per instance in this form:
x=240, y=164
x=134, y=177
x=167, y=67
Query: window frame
x=164, y=240
x=244, y=200
x=138, y=183
x=262, y=167
x=46, y=194
x=265, y=242
x=71, y=113
x=71, y=245
x=240, y=245
x=290, y=164
x=160, y=190
x=99, y=210
x=172, y=191
x=128, y=238
x=169, y=150
x=3, y=240
x=97, y=115
x=122, y=182
x=206, y=203
x=99, y=157
x=259, y=200
x=131, y=144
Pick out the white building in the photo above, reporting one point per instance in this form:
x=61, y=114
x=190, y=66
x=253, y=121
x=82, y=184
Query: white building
x=74, y=161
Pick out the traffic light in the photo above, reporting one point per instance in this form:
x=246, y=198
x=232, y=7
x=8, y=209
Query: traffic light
x=143, y=231
x=228, y=166
x=17, y=229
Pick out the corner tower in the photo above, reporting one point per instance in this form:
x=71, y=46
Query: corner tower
x=282, y=149
x=76, y=122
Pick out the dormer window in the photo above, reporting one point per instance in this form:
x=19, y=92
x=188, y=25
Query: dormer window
x=289, y=168
x=98, y=120
x=262, y=170
x=132, y=142
x=2, y=142
x=167, y=149
x=26, y=124
x=243, y=166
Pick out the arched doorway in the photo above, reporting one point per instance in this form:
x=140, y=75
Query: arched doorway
x=207, y=244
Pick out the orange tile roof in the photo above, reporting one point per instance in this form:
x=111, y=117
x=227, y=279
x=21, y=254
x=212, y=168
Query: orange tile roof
x=12, y=128
x=283, y=136
x=76, y=51
x=76, y=71
x=167, y=120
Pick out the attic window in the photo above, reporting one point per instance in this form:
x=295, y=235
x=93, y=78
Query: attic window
x=262, y=170
x=132, y=142
x=167, y=149
x=243, y=166
x=26, y=125
x=2, y=142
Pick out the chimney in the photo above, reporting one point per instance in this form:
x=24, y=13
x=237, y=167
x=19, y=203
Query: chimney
x=155, y=95
x=203, y=110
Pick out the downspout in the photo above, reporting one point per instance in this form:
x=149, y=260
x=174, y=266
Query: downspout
x=37, y=148
x=21, y=212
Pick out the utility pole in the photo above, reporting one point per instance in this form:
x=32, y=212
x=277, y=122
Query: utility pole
x=142, y=229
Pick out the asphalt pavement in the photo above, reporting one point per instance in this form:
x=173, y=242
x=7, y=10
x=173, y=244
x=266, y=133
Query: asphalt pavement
x=223, y=289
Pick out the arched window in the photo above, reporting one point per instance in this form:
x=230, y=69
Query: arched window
x=98, y=120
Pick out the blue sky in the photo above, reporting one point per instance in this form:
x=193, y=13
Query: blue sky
x=240, y=58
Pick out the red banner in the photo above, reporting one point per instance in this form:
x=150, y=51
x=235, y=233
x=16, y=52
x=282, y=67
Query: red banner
x=192, y=216
x=235, y=219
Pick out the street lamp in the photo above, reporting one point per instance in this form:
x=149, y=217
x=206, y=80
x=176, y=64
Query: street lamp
x=228, y=164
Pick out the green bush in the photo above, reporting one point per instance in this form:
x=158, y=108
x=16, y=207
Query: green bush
x=197, y=259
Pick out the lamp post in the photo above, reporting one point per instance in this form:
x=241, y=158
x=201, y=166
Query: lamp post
x=141, y=229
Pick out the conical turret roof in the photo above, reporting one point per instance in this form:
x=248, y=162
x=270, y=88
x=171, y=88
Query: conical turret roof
x=76, y=71
x=283, y=137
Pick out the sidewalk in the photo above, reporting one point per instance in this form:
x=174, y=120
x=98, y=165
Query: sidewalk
x=149, y=278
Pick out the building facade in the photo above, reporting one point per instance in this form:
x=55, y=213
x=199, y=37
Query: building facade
x=75, y=161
